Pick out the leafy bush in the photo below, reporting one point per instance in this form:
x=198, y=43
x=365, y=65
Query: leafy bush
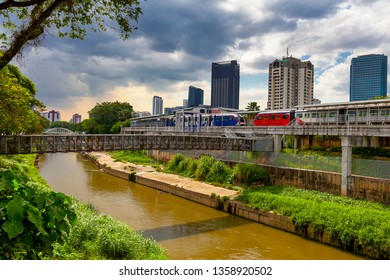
x=250, y=173
x=173, y=164
x=204, y=166
x=31, y=220
x=219, y=173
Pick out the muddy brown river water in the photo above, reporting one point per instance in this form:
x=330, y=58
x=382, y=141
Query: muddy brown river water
x=189, y=231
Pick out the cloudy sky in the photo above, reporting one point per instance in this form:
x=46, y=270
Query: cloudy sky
x=177, y=40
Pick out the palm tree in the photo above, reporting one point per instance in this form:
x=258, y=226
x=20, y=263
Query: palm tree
x=252, y=106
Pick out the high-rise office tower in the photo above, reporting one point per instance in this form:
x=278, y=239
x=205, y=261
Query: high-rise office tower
x=195, y=96
x=225, y=84
x=368, y=77
x=290, y=83
x=157, y=105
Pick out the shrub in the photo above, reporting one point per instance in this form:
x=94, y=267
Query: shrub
x=173, y=164
x=219, y=173
x=250, y=173
x=31, y=220
x=204, y=166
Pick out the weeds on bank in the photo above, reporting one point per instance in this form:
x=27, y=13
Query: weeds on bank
x=210, y=170
x=351, y=222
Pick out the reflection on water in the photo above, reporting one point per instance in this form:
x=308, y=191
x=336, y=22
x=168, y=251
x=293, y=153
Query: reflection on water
x=188, y=230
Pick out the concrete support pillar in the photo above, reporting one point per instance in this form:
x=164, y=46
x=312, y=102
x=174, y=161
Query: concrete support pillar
x=298, y=142
x=374, y=143
x=366, y=141
x=346, y=164
x=277, y=143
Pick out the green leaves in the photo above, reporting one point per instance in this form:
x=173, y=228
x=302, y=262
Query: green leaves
x=31, y=220
x=70, y=18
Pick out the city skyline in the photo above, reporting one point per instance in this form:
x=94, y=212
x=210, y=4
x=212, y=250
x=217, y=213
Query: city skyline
x=162, y=58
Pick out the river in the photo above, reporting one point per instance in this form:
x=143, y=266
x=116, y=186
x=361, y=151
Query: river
x=188, y=230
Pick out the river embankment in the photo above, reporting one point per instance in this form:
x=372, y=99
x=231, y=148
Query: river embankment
x=216, y=197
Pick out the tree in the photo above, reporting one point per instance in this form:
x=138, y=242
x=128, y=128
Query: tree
x=252, y=106
x=17, y=100
x=26, y=20
x=104, y=116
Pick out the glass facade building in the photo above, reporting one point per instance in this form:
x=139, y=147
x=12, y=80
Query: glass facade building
x=225, y=84
x=195, y=96
x=368, y=77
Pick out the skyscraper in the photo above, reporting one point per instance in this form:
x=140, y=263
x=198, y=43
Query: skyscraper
x=195, y=96
x=368, y=77
x=290, y=83
x=225, y=84
x=157, y=105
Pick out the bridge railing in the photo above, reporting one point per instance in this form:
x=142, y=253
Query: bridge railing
x=23, y=144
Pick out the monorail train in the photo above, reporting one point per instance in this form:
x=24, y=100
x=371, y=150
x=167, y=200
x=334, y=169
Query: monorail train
x=277, y=118
x=223, y=120
x=347, y=113
x=189, y=119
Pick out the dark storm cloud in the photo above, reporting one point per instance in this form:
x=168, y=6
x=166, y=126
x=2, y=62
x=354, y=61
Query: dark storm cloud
x=303, y=9
x=201, y=28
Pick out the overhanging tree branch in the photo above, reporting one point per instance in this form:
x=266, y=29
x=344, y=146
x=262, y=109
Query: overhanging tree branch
x=17, y=4
x=30, y=32
x=28, y=19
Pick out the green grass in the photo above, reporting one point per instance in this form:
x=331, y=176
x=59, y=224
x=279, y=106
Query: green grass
x=94, y=236
x=136, y=157
x=347, y=220
x=100, y=237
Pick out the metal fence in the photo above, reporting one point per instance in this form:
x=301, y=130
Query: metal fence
x=362, y=167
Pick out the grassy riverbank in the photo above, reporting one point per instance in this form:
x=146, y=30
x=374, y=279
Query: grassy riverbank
x=37, y=223
x=356, y=225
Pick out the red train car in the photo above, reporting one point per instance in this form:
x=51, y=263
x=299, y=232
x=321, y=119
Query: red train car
x=276, y=118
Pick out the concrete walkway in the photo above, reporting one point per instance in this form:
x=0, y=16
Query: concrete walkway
x=150, y=173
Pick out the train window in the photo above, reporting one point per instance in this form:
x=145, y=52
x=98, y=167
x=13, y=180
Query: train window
x=362, y=113
x=272, y=117
x=286, y=117
x=322, y=115
x=259, y=118
x=332, y=114
x=385, y=112
x=277, y=117
x=374, y=113
x=314, y=115
x=300, y=115
x=351, y=113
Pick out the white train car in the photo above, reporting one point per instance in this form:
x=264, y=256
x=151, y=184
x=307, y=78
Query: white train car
x=358, y=112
